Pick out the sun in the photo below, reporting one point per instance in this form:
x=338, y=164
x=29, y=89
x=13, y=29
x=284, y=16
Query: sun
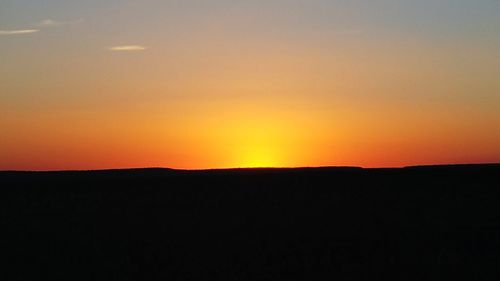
x=259, y=156
x=255, y=139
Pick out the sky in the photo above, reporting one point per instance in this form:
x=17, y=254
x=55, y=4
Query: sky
x=198, y=84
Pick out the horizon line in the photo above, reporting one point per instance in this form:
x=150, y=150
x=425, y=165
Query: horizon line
x=260, y=168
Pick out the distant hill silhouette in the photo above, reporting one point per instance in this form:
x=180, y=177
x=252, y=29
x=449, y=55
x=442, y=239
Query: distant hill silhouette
x=346, y=223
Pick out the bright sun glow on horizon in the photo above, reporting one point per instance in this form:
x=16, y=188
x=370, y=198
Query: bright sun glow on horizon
x=250, y=138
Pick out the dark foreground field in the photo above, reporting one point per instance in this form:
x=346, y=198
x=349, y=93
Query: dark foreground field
x=421, y=223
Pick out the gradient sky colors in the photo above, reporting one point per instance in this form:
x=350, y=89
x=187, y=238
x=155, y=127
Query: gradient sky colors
x=233, y=83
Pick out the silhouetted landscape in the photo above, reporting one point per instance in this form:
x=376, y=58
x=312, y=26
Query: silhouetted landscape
x=415, y=223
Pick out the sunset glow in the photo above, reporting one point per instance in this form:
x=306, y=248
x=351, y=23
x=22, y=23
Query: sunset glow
x=188, y=84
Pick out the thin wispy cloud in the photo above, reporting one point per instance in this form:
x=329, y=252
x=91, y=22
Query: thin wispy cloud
x=18, y=32
x=129, y=48
x=51, y=22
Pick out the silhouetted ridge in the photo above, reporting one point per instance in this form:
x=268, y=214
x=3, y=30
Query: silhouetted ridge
x=330, y=223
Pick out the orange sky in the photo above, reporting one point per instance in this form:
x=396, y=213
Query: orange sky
x=123, y=85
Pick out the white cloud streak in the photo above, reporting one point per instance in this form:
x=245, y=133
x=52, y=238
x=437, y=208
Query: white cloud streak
x=17, y=32
x=51, y=22
x=127, y=48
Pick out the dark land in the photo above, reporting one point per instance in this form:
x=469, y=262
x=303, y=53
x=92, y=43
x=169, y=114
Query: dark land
x=415, y=223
